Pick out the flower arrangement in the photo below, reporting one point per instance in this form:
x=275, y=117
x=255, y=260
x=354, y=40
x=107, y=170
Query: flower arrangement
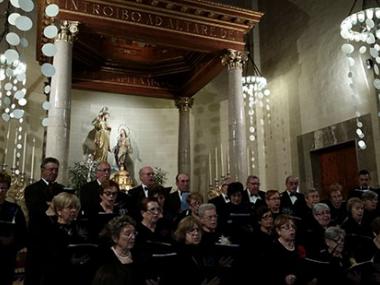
x=160, y=176
x=82, y=172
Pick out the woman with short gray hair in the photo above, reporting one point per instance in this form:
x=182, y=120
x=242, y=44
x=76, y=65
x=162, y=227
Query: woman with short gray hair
x=313, y=239
x=118, y=263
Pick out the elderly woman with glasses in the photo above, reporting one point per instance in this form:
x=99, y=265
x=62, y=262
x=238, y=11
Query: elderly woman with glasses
x=107, y=207
x=153, y=241
x=193, y=266
x=119, y=266
x=312, y=236
x=331, y=266
x=194, y=200
x=285, y=256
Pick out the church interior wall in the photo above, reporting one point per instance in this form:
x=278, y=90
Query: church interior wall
x=307, y=73
x=209, y=131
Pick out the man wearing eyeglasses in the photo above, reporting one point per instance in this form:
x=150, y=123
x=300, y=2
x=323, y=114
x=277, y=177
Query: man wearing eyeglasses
x=252, y=193
x=89, y=193
x=38, y=197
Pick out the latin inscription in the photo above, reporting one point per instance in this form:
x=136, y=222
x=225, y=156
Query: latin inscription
x=149, y=19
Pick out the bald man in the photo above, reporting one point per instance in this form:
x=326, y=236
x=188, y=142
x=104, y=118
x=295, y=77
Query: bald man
x=89, y=192
x=176, y=201
x=138, y=193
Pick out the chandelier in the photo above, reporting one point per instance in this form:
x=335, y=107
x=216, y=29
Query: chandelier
x=257, y=104
x=12, y=67
x=361, y=30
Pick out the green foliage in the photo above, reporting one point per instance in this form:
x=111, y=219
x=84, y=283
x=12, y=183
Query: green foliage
x=160, y=176
x=81, y=173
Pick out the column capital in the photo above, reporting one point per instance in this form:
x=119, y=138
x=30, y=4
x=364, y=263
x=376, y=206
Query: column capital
x=184, y=103
x=69, y=29
x=234, y=59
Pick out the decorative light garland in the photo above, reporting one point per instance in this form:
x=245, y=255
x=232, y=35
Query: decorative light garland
x=363, y=29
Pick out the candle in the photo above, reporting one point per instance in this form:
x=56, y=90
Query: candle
x=32, y=167
x=14, y=158
x=216, y=163
x=24, y=153
x=221, y=159
x=209, y=167
x=228, y=162
x=248, y=162
x=14, y=151
x=6, y=143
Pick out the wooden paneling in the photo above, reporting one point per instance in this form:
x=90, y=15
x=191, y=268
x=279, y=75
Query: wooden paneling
x=338, y=164
x=158, y=48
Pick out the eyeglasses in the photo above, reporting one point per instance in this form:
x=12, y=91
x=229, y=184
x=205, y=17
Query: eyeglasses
x=288, y=227
x=195, y=203
x=268, y=216
x=193, y=230
x=108, y=193
x=154, y=210
x=130, y=234
x=104, y=169
x=322, y=213
x=211, y=217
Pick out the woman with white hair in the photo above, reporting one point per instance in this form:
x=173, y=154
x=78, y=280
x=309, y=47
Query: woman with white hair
x=331, y=266
x=313, y=235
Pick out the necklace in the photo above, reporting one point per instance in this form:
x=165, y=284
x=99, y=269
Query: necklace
x=124, y=257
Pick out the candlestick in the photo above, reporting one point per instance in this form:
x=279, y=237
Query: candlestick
x=14, y=151
x=216, y=163
x=221, y=160
x=228, y=162
x=24, y=153
x=6, y=144
x=14, y=158
x=209, y=167
x=248, y=162
x=33, y=152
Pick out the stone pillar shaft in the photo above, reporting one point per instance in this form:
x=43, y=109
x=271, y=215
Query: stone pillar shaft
x=236, y=116
x=184, y=161
x=58, y=129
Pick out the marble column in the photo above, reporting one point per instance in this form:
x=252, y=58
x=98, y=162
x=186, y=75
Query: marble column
x=58, y=129
x=234, y=60
x=184, y=162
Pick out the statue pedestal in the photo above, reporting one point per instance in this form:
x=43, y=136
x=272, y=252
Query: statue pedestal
x=123, y=179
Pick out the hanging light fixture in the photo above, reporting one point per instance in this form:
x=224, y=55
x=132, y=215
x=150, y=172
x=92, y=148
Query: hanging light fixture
x=16, y=23
x=256, y=95
x=361, y=30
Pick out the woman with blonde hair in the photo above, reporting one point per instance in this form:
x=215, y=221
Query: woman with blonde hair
x=62, y=235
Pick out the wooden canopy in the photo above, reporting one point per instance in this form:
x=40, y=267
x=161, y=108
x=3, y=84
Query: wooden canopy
x=157, y=48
